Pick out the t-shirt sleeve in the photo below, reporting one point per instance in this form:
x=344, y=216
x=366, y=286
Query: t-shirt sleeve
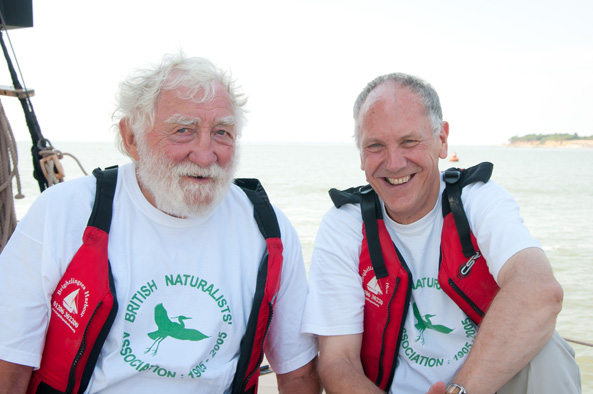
x=31, y=264
x=495, y=221
x=336, y=299
x=24, y=306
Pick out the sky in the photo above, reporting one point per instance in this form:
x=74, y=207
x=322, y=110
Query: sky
x=502, y=68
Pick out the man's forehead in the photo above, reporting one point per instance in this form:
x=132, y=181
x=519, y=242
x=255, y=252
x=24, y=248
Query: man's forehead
x=392, y=98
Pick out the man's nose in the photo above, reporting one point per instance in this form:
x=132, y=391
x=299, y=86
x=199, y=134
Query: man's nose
x=202, y=150
x=395, y=158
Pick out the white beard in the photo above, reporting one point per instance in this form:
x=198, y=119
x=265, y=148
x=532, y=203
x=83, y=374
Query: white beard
x=177, y=196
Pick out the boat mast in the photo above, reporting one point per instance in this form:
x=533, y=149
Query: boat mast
x=19, y=14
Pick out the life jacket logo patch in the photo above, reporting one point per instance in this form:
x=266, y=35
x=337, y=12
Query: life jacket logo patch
x=374, y=287
x=374, y=291
x=70, y=302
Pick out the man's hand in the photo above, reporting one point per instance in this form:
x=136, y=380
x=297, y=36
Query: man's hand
x=437, y=388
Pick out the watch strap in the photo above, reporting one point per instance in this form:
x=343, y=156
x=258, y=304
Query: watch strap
x=454, y=388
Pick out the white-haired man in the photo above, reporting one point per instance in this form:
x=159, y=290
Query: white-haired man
x=195, y=276
x=429, y=285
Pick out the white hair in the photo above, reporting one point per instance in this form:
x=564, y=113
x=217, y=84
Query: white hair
x=138, y=94
x=423, y=89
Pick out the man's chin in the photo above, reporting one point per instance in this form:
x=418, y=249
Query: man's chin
x=195, y=204
x=187, y=211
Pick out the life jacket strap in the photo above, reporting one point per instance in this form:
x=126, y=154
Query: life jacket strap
x=263, y=212
x=103, y=206
x=252, y=345
x=371, y=212
x=455, y=180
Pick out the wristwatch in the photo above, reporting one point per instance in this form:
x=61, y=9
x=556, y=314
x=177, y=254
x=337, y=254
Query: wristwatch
x=455, y=389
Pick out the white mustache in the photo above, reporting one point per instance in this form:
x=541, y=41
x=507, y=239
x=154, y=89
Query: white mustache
x=215, y=171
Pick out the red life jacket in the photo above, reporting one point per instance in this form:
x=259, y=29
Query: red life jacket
x=78, y=329
x=386, y=279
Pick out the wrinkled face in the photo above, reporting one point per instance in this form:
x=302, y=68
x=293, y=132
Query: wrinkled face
x=186, y=162
x=399, y=153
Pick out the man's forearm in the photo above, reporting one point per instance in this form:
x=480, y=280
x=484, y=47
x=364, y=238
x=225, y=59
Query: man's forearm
x=14, y=378
x=304, y=380
x=340, y=368
x=341, y=377
x=518, y=324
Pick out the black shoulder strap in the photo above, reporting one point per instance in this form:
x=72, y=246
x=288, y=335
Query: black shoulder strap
x=456, y=179
x=101, y=219
x=370, y=209
x=263, y=212
x=103, y=206
x=266, y=219
x=348, y=196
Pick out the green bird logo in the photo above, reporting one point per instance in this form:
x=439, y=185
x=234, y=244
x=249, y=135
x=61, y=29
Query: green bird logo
x=424, y=324
x=168, y=328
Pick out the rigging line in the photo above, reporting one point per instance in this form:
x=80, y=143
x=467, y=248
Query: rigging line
x=16, y=60
x=579, y=342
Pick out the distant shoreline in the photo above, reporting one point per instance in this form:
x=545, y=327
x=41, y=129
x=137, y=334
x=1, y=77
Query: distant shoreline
x=553, y=144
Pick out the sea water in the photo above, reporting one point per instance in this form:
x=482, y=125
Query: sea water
x=553, y=187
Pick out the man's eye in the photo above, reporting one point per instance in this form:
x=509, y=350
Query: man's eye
x=183, y=130
x=222, y=132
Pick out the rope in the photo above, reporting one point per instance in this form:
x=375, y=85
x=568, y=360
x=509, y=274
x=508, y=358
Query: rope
x=579, y=342
x=50, y=161
x=8, y=170
x=75, y=159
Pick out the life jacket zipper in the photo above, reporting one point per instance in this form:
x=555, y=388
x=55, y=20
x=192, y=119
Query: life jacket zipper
x=465, y=298
x=261, y=355
x=380, y=373
x=81, y=350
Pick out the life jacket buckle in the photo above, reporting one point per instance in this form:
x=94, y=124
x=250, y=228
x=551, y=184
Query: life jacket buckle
x=452, y=176
x=365, y=189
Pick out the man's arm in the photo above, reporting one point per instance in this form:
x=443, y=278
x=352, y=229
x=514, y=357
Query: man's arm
x=518, y=324
x=14, y=378
x=340, y=368
x=303, y=380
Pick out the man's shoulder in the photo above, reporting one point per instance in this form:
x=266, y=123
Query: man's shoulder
x=345, y=221
x=66, y=193
x=481, y=193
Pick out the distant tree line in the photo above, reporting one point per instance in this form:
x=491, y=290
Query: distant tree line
x=542, y=138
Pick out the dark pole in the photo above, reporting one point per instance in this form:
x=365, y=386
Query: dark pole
x=39, y=142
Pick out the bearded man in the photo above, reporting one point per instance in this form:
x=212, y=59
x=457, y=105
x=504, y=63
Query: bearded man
x=192, y=277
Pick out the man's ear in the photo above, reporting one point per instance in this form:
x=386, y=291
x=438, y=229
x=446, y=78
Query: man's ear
x=444, y=137
x=128, y=138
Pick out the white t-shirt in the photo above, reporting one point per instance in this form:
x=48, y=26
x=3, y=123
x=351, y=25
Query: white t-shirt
x=336, y=298
x=201, y=270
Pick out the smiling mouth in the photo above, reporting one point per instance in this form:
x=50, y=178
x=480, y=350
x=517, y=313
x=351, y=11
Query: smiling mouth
x=398, y=181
